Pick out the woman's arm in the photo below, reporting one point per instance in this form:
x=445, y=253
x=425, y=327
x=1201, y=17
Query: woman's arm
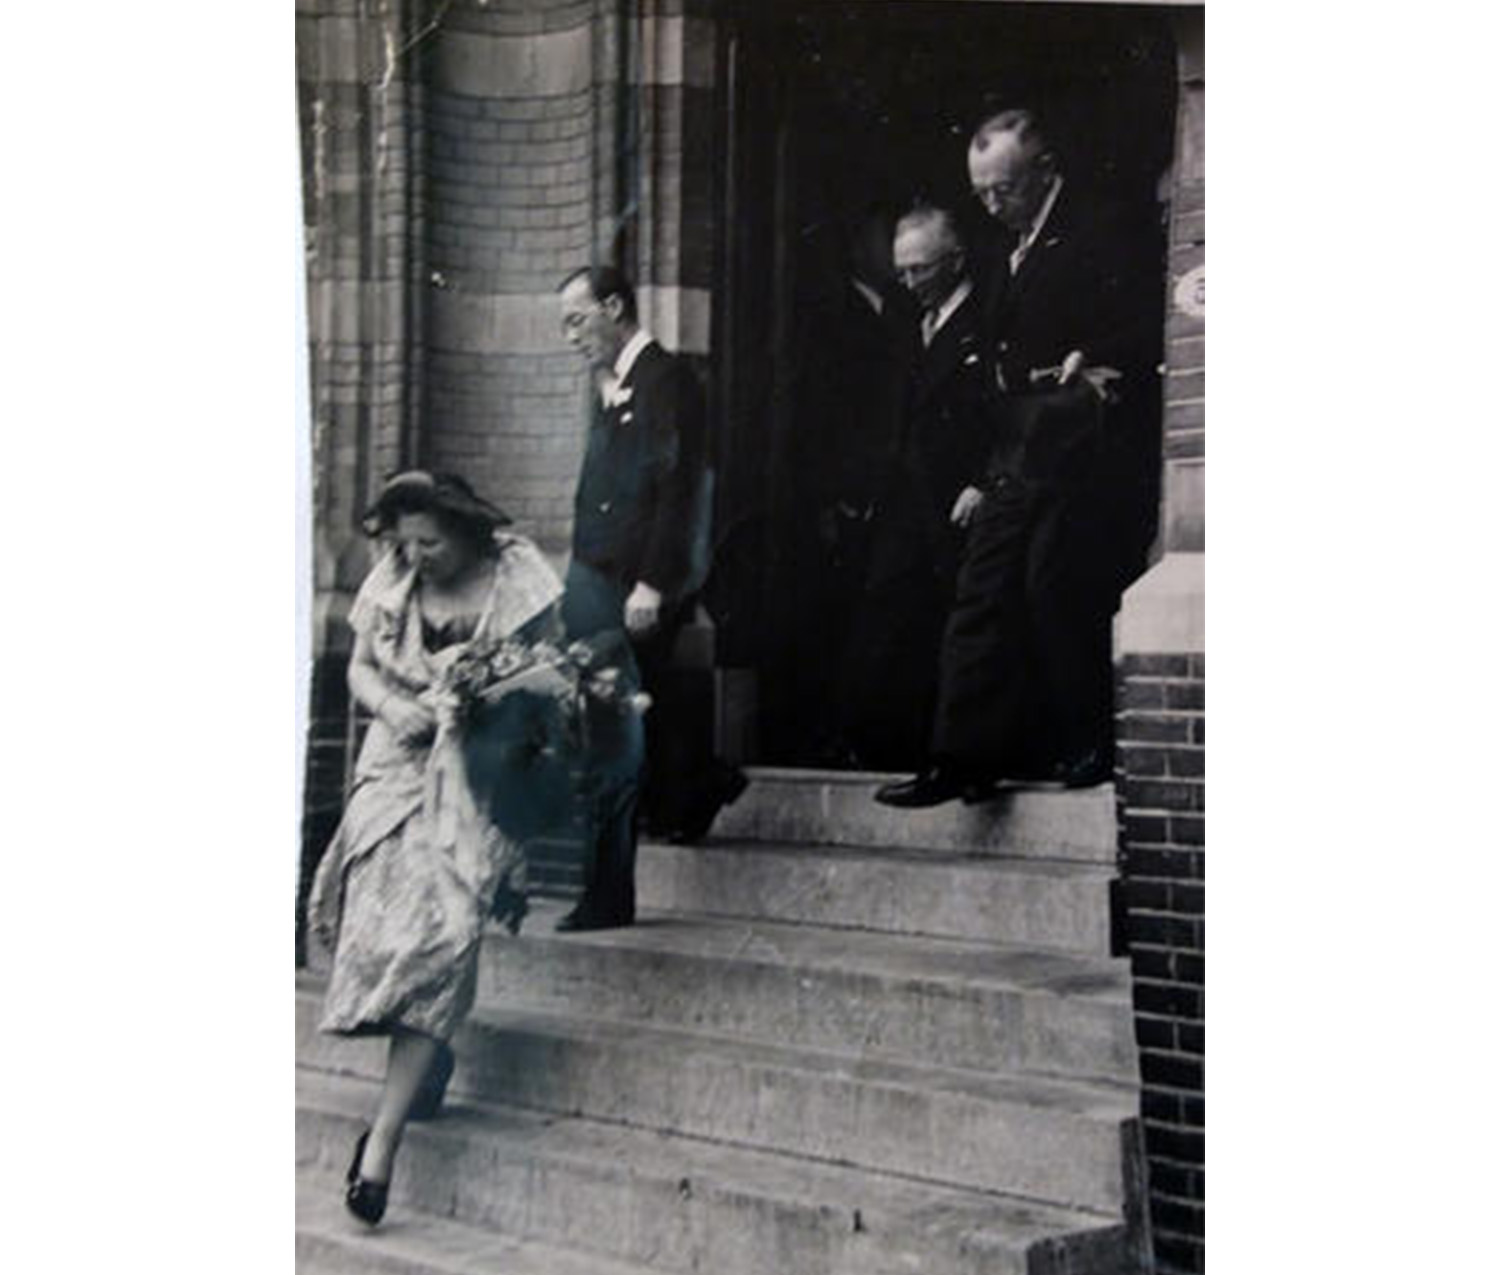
x=408, y=717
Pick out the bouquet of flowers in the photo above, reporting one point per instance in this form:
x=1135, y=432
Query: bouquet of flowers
x=524, y=711
x=485, y=672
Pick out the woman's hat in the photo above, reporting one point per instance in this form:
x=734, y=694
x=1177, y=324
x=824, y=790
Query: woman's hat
x=418, y=491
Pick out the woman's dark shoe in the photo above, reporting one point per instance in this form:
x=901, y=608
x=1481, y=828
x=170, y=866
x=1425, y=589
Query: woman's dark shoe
x=364, y=1199
x=429, y=1099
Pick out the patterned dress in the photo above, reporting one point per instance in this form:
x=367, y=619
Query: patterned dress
x=405, y=888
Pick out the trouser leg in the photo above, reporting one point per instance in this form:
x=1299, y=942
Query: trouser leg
x=983, y=682
x=593, y=608
x=1069, y=607
x=889, y=672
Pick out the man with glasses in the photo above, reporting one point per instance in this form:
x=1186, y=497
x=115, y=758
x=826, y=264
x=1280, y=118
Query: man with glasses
x=1066, y=516
x=929, y=493
x=639, y=537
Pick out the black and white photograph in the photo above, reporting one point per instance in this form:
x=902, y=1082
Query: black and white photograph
x=657, y=549
x=753, y=808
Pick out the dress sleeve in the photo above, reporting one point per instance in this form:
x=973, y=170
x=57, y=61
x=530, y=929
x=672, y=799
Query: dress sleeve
x=525, y=585
x=373, y=594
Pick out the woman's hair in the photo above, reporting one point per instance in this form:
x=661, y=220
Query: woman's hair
x=447, y=498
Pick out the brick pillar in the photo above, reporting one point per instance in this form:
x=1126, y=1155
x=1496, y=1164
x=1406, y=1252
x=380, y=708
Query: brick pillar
x=1160, y=729
x=511, y=155
x=359, y=111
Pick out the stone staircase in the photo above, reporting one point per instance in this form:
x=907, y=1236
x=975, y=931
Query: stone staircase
x=841, y=1040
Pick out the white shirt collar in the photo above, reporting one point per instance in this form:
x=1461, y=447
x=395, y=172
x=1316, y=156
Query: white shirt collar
x=1018, y=254
x=933, y=320
x=631, y=352
x=609, y=385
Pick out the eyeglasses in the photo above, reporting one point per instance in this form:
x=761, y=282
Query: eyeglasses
x=921, y=272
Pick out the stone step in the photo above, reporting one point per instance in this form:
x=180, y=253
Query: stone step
x=676, y=1204
x=1026, y=902
x=331, y=1242
x=831, y=807
x=1062, y=1141
x=939, y=1002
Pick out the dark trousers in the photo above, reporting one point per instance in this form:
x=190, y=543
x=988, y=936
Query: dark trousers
x=593, y=609
x=889, y=670
x=658, y=770
x=1025, y=667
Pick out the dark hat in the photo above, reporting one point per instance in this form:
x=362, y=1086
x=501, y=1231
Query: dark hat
x=418, y=491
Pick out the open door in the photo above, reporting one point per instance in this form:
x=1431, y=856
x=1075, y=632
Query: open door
x=834, y=114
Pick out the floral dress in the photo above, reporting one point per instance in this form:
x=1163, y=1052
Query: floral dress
x=405, y=888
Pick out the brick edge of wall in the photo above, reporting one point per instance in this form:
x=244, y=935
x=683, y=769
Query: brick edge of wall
x=1160, y=793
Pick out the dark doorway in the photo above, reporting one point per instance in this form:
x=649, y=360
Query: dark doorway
x=832, y=111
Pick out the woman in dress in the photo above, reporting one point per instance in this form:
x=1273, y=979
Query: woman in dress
x=419, y=858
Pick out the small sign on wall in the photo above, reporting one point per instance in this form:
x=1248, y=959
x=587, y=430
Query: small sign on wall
x=1187, y=295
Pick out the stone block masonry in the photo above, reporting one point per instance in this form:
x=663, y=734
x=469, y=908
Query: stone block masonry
x=510, y=144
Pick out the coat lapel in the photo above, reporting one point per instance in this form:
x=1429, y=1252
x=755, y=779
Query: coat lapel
x=938, y=361
x=1056, y=232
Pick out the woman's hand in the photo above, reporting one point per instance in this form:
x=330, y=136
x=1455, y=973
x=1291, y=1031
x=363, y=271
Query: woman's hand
x=411, y=721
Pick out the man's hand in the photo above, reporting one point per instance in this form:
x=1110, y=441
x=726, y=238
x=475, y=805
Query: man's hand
x=965, y=506
x=642, y=609
x=1100, y=379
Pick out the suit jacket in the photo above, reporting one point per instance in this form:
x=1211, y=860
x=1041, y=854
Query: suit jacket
x=1092, y=281
x=946, y=433
x=639, y=501
x=847, y=399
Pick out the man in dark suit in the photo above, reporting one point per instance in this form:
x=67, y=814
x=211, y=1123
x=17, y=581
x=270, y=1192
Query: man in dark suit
x=1067, y=513
x=639, y=536
x=847, y=376
x=929, y=493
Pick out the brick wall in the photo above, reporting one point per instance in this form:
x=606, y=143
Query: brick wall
x=358, y=115
x=1160, y=729
x=1183, y=524
x=1160, y=733
x=510, y=145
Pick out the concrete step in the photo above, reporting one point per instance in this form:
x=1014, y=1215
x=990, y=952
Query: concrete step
x=938, y=1002
x=330, y=1242
x=1026, y=902
x=832, y=807
x=1062, y=1141
x=675, y=1204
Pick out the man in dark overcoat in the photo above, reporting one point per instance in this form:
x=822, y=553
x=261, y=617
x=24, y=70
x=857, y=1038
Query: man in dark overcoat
x=639, y=543
x=929, y=492
x=1067, y=515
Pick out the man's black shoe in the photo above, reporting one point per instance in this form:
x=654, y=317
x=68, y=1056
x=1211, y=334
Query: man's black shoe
x=580, y=919
x=728, y=785
x=1085, y=771
x=932, y=787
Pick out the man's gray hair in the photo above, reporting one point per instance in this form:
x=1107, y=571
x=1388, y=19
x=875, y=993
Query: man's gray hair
x=940, y=220
x=1023, y=125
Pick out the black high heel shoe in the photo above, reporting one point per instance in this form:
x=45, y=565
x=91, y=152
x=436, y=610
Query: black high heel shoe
x=363, y=1198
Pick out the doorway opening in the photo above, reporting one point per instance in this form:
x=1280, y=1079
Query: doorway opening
x=835, y=117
